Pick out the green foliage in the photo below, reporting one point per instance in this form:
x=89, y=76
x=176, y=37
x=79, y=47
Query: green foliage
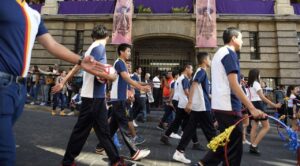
x=142, y=9
x=180, y=9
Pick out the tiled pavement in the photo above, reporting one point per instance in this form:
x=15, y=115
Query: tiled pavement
x=42, y=138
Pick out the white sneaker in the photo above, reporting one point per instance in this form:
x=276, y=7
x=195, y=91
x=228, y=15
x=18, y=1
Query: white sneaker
x=140, y=154
x=246, y=142
x=175, y=136
x=134, y=124
x=43, y=103
x=178, y=156
x=32, y=103
x=71, y=113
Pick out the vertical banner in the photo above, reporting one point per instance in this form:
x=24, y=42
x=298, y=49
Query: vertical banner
x=122, y=22
x=206, y=24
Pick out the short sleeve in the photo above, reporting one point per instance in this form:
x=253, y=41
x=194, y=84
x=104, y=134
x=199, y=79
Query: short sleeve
x=172, y=85
x=185, y=84
x=135, y=78
x=230, y=63
x=256, y=86
x=200, y=76
x=98, y=53
x=42, y=29
x=120, y=67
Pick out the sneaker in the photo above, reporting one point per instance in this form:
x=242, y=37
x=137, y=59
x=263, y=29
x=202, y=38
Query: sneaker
x=254, y=150
x=160, y=126
x=140, y=154
x=178, y=156
x=165, y=139
x=71, y=113
x=138, y=140
x=124, y=163
x=62, y=113
x=53, y=112
x=32, y=103
x=198, y=146
x=43, y=104
x=100, y=151
x=175, y=136
x=246, y=142
x=135, y=124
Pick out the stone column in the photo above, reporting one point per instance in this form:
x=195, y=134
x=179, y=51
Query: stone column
x=288, y=57
x=283, y=7
x=50, y=7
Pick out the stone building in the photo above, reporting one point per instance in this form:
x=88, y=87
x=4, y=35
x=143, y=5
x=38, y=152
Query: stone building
x=162, y=41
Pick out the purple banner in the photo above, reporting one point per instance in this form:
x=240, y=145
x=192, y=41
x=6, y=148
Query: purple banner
x=164, y=6
x=296, y=8
x=36, y=7
x=245, y=6
x=86, y=7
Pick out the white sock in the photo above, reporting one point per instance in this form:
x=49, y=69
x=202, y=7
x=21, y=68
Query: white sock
x=254, y=145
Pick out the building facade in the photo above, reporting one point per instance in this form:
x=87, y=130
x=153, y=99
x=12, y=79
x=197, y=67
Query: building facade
x=165, y=41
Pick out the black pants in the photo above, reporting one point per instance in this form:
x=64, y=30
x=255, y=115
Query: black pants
x=204, y=118
x=119, y=120
x=181, y=118
x=235, y=146
x=157, y=96
x=93, y=114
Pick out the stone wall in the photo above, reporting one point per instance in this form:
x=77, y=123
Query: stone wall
x=277, y=38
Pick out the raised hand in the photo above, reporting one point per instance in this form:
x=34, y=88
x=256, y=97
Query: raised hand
x=90, y=65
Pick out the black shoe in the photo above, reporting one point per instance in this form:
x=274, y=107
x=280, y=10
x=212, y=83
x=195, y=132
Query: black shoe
x=164, y=139
x=198, y=146
x=254, y=150
x=160, y=126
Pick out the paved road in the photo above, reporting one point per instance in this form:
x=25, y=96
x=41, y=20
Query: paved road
x=42, y=138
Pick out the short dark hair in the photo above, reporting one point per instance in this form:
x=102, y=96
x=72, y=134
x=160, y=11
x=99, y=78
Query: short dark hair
x=137, y=67
x=174, y=73
x=123, y=47
x=99, y=32
x=201, y=56
x=185, y=67
x=229, y=33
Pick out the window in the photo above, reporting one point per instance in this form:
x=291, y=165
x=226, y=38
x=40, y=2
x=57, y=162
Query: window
x=298, y=39
x=254, y=48
x=79, y=41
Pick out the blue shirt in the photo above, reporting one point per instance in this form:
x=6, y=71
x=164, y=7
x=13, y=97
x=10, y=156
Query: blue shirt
x=19, y=26
x=91, y=87
x=119, y=86
x=201, y=101
x=136, y=78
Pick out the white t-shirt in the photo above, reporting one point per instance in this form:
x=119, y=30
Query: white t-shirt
x=183, y=99
x=252, y=91
x=291, y=101
x=156, y=82
x=175, y=95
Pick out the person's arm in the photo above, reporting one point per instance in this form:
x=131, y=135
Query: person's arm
x=59, y=86
x=188, y=107
x=185, y=86
x=266, y=100
x=133, y=83
x=61, y=52
x=237, y=90
x=44, y=72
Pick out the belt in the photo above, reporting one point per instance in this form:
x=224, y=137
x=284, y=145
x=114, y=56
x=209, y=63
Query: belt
x=12, y=78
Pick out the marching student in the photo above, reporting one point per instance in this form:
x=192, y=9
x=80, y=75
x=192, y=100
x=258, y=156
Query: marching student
x=227, y=95
x=118, y=96
x=292, y=105
x=181, y=117
x=198, y=107
x=257, y=98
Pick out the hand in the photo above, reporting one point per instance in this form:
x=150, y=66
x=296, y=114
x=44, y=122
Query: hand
x=90, y=65
x=278, y=105
x=188, y=108
x=256, y=113
x=146, y=88
x=57, y=88
x=294, y=116
x=112, y=77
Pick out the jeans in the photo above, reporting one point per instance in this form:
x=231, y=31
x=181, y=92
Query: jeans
x=139, y=107
x=12, y=100
x=35, y=92
x=45, y=89
x=59, y=97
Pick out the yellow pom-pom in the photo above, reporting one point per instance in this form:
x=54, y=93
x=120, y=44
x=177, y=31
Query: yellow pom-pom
x=221, y=139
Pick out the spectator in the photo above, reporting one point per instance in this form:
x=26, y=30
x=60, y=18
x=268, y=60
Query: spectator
x=35, y=77
x=60, y=96
x=49, y=82
x=156, y=90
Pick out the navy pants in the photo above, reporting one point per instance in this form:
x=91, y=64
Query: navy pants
x=12, y=100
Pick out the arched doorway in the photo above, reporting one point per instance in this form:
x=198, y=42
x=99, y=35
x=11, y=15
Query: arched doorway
x=161, y=54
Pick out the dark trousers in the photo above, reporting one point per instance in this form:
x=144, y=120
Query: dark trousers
x=168, y=112
x=204, y=118
x=181, y=118
x=157, y=97
x=235, y=145
x=93, y=114
x=119, y=120
x=139, y=107
x=12, y=100
x=59, y=97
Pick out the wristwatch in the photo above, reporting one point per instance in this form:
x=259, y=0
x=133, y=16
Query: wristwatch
x=79, y=61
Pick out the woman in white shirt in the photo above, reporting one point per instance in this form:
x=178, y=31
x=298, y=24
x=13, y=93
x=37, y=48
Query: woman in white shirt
x=255, y=94
x=291, y=105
